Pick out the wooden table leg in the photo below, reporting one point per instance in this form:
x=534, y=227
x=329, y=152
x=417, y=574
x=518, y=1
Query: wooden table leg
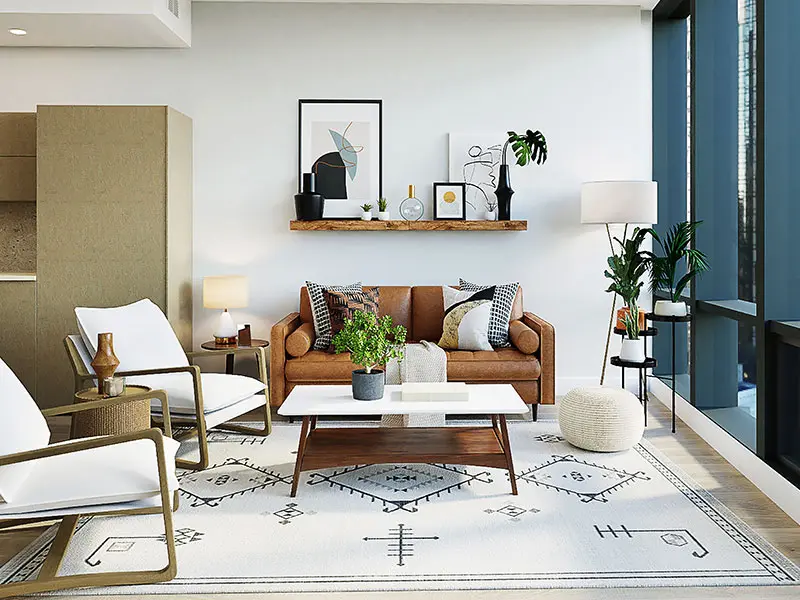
x=229, y=362
x=507, y=450
x=313, y=422
x=301, y=448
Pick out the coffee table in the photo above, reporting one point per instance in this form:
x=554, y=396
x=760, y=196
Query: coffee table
x=328, y=447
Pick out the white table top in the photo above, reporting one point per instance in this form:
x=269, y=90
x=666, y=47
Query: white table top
x=335, y=400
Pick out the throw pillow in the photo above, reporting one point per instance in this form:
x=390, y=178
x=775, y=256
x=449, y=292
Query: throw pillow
x=343, y=305
x=320, y=313
x=466, y=319
x=502, y=303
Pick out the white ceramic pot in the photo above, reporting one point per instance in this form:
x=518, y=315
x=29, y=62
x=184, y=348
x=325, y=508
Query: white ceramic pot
x=490, y=215
x=665, y=308
x=366, y=216
x=383, y=215
x=632, y=350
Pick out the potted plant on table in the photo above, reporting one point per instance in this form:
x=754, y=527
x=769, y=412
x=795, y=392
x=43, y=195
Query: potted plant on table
x=676, y=246
x=366, y=212
x=626, y=271
x=383, y=209
x=632, y=349
x=528, y=148
x=372, y=342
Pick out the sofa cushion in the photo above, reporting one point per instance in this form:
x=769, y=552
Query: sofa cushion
x=502, y=304
x=219, y=390
x=342, y=305
x=525, y=339
x=427, y=312
x=319, y=310
x=467, y=316
x=300, y=340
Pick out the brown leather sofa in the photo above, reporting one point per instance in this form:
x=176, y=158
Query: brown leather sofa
x=529, y=365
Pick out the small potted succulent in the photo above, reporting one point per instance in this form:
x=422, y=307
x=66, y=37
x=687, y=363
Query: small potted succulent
x=371, y=342
x=632, y=349
x=491, y=210
x=366, y=212
x=665, y=266
x=383, y=209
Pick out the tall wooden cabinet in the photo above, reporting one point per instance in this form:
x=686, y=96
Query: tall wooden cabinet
x=114, y=223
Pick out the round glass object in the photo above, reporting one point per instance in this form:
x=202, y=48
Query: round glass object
x=412, y=209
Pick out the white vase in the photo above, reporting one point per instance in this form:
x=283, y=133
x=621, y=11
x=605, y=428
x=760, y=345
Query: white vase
x=632, y=350
x=490, y=215
x=383, y=215
x=665, y=308
x=366, y=216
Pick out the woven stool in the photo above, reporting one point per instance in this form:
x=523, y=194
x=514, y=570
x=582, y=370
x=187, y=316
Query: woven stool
x=601, y=419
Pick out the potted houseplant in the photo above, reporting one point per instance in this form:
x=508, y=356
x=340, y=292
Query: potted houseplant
x=383, y=209
x=528, y=147
x=372, y=342
x=626, y=271
x=491, y=210
x=366, y=212
x=632, y=349
x=665, y=266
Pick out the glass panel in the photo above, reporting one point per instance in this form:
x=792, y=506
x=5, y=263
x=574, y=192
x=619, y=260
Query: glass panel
x=747, y=150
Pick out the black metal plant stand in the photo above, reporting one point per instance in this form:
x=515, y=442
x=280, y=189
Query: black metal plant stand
x=649, y=363
x=672, y=320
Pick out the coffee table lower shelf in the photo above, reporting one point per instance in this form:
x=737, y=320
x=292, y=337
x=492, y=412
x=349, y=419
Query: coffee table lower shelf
x=330, y=447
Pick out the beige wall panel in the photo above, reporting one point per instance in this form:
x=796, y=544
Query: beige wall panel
x=17, y=237
x=179, y=225
x=17, y=134
x=17, y=334
x=17, y=179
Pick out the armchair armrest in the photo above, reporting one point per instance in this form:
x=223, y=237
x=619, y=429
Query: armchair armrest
x=113, y=401
x=280, y=331
x=547, y=355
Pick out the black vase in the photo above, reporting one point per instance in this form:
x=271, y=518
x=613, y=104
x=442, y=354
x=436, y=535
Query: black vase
x=504, y=193
x=309, y=205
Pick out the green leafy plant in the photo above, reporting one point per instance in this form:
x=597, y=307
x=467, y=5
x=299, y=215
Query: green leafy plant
x=370, y=341
x=666, y=265
x=528, y=147
x=366, y=207
x=627, y=269
x=631, y=321
x=383, y=204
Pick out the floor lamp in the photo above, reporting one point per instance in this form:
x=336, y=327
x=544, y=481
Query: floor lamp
x=618, y=203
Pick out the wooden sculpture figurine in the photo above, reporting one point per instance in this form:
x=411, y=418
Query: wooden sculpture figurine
x=105, y=362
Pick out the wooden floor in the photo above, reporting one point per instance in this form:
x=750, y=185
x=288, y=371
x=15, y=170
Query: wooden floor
x=685, y=448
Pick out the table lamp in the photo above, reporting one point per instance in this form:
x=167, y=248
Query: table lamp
x=618, y=202
x=224, y=292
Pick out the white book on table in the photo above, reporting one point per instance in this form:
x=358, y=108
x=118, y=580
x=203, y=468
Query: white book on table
x=451, y=391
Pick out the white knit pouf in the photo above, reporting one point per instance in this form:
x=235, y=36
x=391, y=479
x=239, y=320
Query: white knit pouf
x=601, y=419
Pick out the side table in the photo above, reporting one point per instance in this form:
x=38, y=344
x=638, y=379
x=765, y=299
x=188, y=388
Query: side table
x=214, y=348
x=127, y=417
x=673, y=320
x=649, y=363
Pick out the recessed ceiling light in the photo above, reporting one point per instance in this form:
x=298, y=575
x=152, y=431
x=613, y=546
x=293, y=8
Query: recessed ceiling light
x=17, y=31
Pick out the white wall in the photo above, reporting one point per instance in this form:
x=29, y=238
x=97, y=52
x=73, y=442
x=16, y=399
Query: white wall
x=581, y=75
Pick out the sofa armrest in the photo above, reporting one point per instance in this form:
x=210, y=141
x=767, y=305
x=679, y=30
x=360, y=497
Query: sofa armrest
x=547, y=355
x=277, y=356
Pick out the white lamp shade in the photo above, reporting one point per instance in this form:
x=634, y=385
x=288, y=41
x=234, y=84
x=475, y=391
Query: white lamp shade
x=619, y=202
x=226, y=291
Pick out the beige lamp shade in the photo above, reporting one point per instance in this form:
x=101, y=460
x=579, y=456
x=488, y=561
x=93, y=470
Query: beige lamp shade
x=609, y=202
x=226, y=291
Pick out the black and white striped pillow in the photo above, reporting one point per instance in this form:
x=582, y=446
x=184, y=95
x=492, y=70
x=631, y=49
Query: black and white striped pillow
x=320, y=313
x=502, y=303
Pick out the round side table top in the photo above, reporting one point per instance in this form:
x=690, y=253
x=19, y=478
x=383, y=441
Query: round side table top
x=667, y=318
x=649, y=363
x=648, y=332
x=91, y=393
x=214, y=347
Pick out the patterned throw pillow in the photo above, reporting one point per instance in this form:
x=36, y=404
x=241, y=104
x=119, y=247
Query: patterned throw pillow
x=502, y=303
x=466, y=319
x=320, y=313
x=343, y=305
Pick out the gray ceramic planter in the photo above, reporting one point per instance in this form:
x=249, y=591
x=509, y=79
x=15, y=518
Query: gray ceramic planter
x=368, y=386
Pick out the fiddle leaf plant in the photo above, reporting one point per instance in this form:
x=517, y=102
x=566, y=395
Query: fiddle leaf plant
x=627, y=269
x=528, y=147
x=371, y=341
x=675, y=247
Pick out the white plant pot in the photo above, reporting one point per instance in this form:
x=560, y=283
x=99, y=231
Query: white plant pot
x=383, y=215
x=490, y=215
x=632, y=350
x=665, y=308
x=366, y=216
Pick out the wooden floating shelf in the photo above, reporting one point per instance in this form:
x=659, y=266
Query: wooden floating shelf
x=359, y=225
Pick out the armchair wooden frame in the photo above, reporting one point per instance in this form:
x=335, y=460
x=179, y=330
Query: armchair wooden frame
x=48, y=579
x=198, y=424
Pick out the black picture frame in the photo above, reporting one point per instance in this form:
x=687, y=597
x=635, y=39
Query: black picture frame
x=354, y=203
x=463, y=203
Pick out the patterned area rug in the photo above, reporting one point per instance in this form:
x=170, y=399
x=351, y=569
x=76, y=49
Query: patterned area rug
x=580, y=520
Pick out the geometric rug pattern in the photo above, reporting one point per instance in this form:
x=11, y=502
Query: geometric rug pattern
x=581, y=519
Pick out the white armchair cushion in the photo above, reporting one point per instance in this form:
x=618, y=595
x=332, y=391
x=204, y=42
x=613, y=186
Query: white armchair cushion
x=112, y=474
x=22, y=427
x=143, y=338
x=219, y=390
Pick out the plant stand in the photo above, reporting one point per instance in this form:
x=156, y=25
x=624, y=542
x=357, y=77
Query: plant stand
x=672, y=320
x=649, y=363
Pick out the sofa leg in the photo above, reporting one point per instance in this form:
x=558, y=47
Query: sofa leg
x=535, y=411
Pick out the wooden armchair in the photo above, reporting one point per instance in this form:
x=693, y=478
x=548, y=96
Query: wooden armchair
x=129, y=474
x=150, y=354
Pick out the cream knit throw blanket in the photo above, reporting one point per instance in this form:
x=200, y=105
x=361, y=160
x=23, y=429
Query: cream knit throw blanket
x=423, y=363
